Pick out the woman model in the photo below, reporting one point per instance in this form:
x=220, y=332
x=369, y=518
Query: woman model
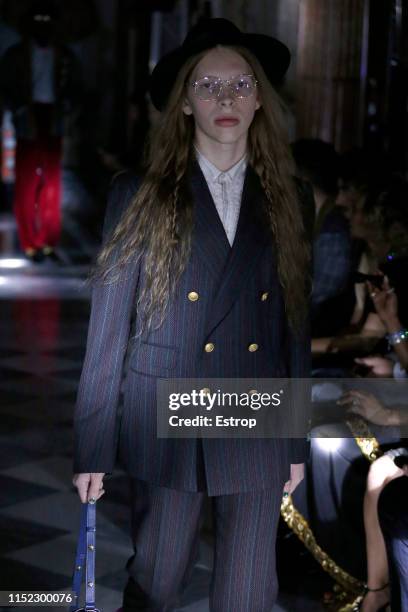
x=205, y=274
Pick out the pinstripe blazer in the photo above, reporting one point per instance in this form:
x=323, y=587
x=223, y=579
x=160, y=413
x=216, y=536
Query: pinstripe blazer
x=229, y=313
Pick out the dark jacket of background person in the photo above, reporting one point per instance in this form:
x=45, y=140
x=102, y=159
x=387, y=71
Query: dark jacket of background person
x=332, y=293
x=332, y=298
x=16, y=87
x=230, y=313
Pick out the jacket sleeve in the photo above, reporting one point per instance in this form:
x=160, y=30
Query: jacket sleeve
x=300, y=368
x=95, y=417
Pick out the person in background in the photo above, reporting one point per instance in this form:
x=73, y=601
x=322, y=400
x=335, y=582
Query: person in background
x=380, y=222
x=396, y=363
x=8, y=35
x=354, y=178
x=332, y=299
x=393, y=518
x=388, y=467
x=362, y=176
x=40, y=83
x=393, y=464
x=360, y=173
x=138, y=125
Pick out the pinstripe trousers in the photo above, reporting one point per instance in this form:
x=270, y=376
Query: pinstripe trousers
x=165, y=534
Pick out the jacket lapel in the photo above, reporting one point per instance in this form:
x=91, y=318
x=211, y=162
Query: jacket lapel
x=210, y=241
x=252, y=237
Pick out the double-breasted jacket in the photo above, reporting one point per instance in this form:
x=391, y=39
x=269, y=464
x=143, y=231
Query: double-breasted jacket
x=228, y=299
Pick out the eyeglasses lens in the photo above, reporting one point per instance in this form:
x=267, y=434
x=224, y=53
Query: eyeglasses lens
x=210, y=88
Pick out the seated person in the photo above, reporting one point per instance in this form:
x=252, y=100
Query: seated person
x=332, y=301
x=381, y=472
x=361, y=172
x=395, y=364
x=393, y=517
x=337, y=471
x=383, y=225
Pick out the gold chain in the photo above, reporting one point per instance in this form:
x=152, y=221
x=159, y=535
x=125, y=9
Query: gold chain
x=366, y=441
x=349, y=590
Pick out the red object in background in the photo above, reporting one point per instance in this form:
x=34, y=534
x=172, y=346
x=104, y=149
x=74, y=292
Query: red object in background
x=37, y=192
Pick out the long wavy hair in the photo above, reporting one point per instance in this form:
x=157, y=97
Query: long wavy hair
x=157, y=225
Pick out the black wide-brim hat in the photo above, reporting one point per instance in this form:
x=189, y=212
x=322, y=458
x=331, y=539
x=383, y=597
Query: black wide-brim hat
x=273, y=55
x=43, y=7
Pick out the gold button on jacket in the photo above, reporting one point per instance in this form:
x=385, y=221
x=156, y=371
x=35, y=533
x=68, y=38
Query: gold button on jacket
x=193, y=296
x=264, y=296
x=252, y=347
x=209, y=347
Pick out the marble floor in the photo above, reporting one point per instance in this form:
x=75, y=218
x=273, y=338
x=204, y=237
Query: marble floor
x=43, y=325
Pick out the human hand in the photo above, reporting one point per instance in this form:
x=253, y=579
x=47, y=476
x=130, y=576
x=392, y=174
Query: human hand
x=380, y=366
x=366, y=405
x=297, y=474
x=89, y=485
x=385, y=300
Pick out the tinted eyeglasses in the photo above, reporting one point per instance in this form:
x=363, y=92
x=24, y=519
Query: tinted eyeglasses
x=209, y=87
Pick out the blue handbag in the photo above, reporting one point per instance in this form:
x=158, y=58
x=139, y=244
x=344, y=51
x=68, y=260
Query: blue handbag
x=85, y=557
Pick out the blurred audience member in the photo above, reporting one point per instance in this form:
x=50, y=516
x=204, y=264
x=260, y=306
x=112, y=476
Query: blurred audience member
x=393, y=517
x=8, y=35
x=142, y=116
x=380, y=221
x=388, y=467
x=360, y=173
x=355, y=177
x=395, y=364
x=40, y=83
x=332, y=298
